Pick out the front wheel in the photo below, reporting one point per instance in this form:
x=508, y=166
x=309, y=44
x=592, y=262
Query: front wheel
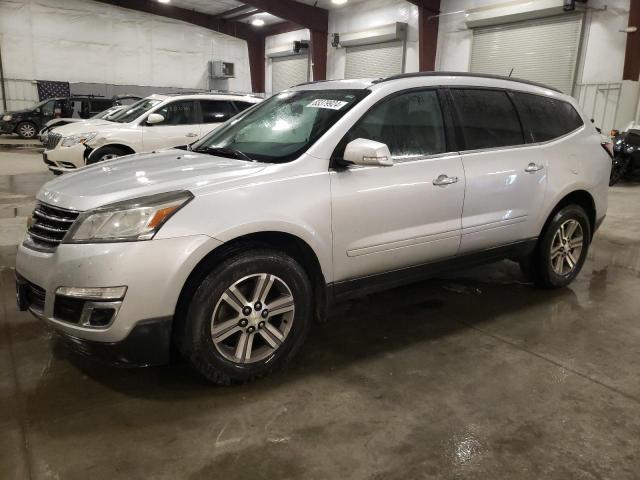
x=105, y=153
x=562, y=249
x=618, y=169
x=248, y=317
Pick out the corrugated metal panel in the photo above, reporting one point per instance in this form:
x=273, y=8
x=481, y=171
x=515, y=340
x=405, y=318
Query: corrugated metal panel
x=289, y=71
x=374, y=61
x=20, y=94
x=544, y=50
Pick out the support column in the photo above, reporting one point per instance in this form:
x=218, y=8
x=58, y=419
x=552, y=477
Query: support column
x=428, y=34
x=319, y=54
x=632, y=53
x=256, y=48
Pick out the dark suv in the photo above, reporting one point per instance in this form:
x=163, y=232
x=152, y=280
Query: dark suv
x=29, y=121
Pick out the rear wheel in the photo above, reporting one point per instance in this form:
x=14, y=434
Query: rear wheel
x=248, y=317
x=618, y=169
x=26, y=130
x=562, y=249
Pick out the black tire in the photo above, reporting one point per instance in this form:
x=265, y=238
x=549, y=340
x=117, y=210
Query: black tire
x=194, y=332
x=538, y=267
x=619, y=168
x=27, y=130
x=105, y=153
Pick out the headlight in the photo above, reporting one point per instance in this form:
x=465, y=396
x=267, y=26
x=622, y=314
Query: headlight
x=76, y=139
x=630, y=149
x=131, y=220
x=7, y=118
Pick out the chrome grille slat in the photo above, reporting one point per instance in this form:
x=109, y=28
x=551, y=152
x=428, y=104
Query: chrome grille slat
x=49, y=226
x=52, y=140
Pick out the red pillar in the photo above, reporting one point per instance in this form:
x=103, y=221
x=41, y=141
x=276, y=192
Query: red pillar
x=319, y=54
x=428, y=33
x=256, y=63
x=632, y=53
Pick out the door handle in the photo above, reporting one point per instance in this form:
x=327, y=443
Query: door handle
x=443, y=180
x=191, y=134
x=533, y=168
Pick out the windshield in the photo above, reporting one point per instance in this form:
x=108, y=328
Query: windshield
x=281, y=128
x=108, y=113
x=132, y=112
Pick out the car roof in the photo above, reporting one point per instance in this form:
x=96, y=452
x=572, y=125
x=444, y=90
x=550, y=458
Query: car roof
x=430, y=78
x=241, y=97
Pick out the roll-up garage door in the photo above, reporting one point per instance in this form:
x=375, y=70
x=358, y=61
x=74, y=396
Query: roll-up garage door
x=374, y=61
x=543, y=50
x=289, y=71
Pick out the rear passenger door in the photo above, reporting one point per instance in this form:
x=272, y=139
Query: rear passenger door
x=505, y=180
x=180, y=126
x=214, y=114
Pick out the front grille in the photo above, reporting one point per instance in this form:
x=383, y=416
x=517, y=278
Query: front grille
x=51, y=140
x=35, y=296
x=48, y=226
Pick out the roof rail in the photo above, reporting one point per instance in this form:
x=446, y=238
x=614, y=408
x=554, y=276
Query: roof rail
x=465, y=74
x=209, y=92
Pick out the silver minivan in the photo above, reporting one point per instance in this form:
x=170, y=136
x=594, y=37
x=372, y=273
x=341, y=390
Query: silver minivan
x=230, y=247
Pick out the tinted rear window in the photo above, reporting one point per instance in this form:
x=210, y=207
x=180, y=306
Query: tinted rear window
x=488, y=118
x=545, y=118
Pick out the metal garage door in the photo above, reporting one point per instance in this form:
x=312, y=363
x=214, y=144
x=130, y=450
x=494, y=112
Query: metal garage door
x=374, y=61
x=544, y=50
x=289, y=71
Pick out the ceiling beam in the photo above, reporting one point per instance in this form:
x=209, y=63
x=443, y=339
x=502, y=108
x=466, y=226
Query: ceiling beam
x=228, y=27
x=232, y=12
x=242, y=16
x=307, y=16
x=431, y=6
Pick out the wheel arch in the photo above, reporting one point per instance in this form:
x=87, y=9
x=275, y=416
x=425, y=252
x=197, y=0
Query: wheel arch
x=287, y=243
x=577, y=197
x=122, y=146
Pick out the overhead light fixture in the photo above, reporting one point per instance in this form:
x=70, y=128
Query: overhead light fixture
x=257, y=22
x=164, y=1
x=339, y=2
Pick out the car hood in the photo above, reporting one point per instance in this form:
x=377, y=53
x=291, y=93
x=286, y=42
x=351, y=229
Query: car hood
x=17, y=112
x=141, y=175
x=84, y=126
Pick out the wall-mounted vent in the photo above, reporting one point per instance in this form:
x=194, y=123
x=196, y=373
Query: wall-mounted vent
x=221, y=69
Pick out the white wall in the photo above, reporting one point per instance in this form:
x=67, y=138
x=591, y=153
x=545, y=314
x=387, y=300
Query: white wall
x=603, y=46
x=277, y=41
x=86, y=41
x=368, y=14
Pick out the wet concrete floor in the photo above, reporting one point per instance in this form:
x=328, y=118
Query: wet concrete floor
x=478, y=375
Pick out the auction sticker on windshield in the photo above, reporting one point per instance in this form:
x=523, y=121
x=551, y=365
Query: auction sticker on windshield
x=325, y=103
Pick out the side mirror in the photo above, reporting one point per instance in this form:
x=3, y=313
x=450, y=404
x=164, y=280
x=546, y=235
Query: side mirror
x=154, y=118
x=368, y=152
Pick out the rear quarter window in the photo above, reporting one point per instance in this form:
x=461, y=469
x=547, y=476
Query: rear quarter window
x=545, y=118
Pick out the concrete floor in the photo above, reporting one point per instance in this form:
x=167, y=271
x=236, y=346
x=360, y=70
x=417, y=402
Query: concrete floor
x=474, y=376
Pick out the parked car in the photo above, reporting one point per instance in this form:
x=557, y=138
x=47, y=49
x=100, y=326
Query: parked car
x=58, y=122
x=323, y=192
x=156, y=122
x=626, y=154
x=29, y=121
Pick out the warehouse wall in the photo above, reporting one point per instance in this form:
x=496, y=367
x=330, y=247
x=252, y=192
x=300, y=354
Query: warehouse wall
x=277, y=41
x=84, y=41
x=368, y=14
x=603, y=45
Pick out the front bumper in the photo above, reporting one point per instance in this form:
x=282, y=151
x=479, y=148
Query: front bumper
x=154, y=272
x=64, y=159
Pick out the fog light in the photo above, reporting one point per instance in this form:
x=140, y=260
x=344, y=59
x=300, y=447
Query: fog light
x=93, y=293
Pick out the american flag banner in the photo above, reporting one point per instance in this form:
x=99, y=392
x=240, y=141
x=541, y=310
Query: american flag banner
x=47, y=89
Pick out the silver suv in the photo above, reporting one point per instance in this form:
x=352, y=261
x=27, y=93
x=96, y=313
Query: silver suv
x=229, y=249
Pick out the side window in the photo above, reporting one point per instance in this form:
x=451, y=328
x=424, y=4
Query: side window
x=215, y=111
x=545, y=118
x=488, y=118
x=181, y=112
x=98, y=106
x=242, y=106
x=47, y=108
x=410, y=124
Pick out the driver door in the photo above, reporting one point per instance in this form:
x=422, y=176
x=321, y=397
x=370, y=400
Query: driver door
x=180, y=126
x=387, y=218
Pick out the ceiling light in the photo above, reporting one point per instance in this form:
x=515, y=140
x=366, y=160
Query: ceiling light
x=164, y=1
x=257, y=22
x=339, y=2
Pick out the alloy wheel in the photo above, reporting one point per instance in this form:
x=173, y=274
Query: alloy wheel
x=27, y=130
x=566, y=247
x=252, y=318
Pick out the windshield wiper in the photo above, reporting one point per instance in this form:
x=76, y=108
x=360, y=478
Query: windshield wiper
x=226, y=152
